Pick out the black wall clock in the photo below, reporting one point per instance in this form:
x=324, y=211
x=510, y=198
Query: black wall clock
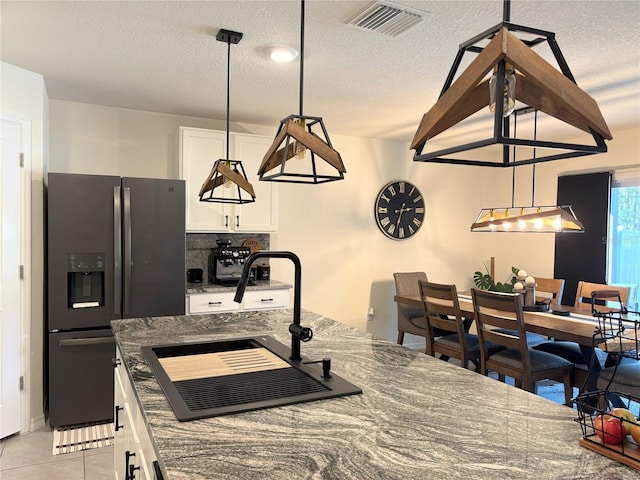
x=399, y=209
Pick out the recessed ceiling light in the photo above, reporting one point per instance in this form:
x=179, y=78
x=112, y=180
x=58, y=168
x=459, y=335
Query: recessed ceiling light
x=282, y=54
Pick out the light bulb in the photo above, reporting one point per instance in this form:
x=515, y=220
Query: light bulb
x=557, y=223
x=299, y=148
x=509, y=102
x=226, y=181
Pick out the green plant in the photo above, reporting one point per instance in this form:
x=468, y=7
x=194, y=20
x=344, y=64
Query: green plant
x=484, y=281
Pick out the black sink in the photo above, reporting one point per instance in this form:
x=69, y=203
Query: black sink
x=208, y=379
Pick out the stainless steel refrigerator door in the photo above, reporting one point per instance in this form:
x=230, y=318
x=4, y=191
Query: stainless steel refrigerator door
x=81, y=377
x=79, y=222
x=154, y=244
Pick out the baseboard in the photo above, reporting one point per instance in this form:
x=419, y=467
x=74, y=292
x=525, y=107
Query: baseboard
x=37, y=423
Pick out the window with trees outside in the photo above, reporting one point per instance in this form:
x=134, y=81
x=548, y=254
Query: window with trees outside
x=623, y=251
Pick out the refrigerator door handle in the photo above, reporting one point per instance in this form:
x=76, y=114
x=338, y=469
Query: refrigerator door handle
x=117, y=251
x=127, y=249
x=78, y=342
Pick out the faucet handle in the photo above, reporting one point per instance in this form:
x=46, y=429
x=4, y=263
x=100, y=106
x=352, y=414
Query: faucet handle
x=303, y=333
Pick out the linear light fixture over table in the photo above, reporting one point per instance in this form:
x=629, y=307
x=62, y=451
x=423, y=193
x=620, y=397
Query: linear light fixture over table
x=296, y=138
x=536, y=219
x=225, y=172
x=537, y=84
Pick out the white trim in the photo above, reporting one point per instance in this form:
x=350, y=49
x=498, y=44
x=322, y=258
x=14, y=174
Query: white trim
x=627, y=177
x=25, y=254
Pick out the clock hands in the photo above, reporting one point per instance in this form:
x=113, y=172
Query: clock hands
x=401, y=211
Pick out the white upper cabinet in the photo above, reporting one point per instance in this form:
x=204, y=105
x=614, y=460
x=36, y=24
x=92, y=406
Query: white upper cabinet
x=198, y=150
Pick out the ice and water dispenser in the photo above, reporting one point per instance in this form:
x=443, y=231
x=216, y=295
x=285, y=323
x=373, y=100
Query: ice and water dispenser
x=85, y=276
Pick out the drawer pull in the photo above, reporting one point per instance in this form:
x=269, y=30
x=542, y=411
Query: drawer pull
x=267, y=300
x=217, y=304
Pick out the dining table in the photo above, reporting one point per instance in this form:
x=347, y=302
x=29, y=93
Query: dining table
x=575, y=325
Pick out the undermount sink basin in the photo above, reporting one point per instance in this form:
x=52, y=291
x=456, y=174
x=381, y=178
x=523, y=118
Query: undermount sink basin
x=208, y=379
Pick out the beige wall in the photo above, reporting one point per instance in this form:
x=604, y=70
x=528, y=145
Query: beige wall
x=347, y=263
x=23, y=95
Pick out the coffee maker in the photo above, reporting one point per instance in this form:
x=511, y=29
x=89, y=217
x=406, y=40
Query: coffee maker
x=226, y=263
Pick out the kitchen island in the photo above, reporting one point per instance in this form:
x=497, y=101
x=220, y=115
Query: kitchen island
x=418, y=417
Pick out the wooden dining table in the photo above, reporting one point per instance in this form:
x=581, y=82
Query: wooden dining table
x=579, y=327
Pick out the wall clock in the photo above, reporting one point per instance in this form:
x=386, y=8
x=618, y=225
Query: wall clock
x=399, y=209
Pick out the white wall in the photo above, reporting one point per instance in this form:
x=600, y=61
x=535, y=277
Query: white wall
x=347, y=263
x=23, y=94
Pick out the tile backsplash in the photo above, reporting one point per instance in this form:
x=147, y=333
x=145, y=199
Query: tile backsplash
x=199, y=247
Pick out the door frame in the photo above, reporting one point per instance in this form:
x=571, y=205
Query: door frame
x=25, y=260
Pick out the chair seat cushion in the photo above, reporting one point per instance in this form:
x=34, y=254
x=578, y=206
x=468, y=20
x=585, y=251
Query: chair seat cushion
x=570, y=351
x=625, y=375
x=539, y=360
x=567, y=350
x=472, y=341
x=454, y=342
x=532, y=338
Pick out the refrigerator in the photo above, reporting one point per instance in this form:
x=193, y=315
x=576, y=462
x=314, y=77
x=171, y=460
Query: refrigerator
x=115, y=249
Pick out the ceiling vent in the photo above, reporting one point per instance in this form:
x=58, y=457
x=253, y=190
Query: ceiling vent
x=388, y=18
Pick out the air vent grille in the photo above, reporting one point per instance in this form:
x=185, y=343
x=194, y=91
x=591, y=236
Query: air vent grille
x=388, y=18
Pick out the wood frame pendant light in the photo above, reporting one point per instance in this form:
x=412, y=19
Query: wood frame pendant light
x=295, y=135
x=225, y=172
x=538, y=85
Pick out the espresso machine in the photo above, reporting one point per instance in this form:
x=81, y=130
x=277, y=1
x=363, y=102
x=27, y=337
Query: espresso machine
x=226, y=264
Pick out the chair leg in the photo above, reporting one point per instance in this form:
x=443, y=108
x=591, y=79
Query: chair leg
x=400, y=337
x=568, y=389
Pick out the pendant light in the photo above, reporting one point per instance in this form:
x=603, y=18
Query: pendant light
x=299, y=143
x=522, y=76
x=227, y=182
x=535, y=219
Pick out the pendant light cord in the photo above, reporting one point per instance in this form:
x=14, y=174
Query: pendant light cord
x=228, y=81
x=301, y=53
x=506, y=11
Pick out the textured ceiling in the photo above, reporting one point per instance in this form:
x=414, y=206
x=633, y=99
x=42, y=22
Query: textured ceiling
x=163, y=56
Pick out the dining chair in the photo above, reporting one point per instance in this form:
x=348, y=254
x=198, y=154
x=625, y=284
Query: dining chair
x=625, y=378
x=585, y=289
x=495, y=310
x=549, y=288
x=410, y=319
x=570, y=350
x=442, y=312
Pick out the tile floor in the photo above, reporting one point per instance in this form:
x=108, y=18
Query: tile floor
x=29, y=457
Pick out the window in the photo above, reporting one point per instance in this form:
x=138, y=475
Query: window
x=623, y=251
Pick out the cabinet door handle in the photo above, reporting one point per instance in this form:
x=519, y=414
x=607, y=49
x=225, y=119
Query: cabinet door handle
x=132, y=472
x=127, y=457
x=237, y=221
x=226, y=220
x=117, y=419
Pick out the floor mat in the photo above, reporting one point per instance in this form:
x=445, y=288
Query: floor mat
x=75, y=439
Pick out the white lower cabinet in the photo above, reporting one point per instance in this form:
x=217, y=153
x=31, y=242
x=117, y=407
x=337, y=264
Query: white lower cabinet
x=212, y=302
x=269, y=299
x=134, y=454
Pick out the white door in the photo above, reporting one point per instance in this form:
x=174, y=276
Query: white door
x=10, y=284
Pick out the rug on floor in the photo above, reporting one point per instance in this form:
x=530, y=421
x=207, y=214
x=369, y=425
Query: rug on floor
x=86, y=437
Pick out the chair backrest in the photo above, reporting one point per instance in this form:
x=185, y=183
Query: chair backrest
x=407, y=282
x=442, y=310
x=551, y=288
x=585, y=290
x=497, y=315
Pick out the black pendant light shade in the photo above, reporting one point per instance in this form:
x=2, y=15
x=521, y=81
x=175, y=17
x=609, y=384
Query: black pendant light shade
x=227, y=182
x=301, y=151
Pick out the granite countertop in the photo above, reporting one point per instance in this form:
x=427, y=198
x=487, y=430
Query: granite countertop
x=206, y=287
x=418, y=418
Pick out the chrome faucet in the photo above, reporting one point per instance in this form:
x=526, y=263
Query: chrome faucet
x=298, y=332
